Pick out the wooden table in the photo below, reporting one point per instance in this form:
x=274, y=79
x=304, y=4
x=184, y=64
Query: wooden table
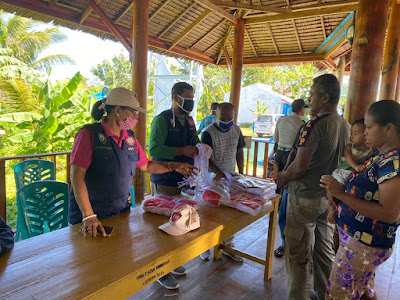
x=64, y=265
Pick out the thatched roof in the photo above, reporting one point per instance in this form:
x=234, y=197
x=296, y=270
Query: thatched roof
x=277, y=31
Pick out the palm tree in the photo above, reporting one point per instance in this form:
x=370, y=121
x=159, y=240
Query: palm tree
x=27, y=41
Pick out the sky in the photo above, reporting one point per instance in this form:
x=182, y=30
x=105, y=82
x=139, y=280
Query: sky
x=86, y=50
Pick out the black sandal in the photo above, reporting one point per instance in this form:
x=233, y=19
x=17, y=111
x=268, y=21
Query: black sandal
x=279, y=252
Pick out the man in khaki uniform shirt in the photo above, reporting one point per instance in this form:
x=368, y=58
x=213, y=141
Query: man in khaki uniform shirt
x=307, y=232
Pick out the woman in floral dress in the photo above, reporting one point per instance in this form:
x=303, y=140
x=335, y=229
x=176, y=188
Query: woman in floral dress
x=368, y=212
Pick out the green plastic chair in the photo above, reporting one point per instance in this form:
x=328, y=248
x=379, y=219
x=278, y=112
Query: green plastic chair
x=25, y=173
x=44, y=206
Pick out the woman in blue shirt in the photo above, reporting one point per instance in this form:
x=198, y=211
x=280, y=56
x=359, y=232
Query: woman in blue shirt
x=368, y=211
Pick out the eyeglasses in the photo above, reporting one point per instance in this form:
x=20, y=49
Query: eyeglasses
x=134, y=111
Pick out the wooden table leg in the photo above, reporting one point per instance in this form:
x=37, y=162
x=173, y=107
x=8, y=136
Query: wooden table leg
x=273, y=216
x=217, y=252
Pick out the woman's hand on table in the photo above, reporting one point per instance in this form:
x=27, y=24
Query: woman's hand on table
x=330, y=184
x=185, y=169
x=91, y=227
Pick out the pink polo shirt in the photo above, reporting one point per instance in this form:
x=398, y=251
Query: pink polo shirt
x=82, y=150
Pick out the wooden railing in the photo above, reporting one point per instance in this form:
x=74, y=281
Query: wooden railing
x=255, y=144
x=3, y=184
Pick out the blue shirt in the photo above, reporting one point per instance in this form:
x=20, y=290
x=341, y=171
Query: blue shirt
x=365, y=185
x=207, y=121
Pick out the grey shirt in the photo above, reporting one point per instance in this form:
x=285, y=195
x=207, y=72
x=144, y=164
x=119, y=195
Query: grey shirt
x=287, y=129
x=326, y=136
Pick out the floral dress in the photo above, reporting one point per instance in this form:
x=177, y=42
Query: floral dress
x=364, y=243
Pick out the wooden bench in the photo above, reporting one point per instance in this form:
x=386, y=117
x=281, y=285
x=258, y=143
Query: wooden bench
x=65, y=265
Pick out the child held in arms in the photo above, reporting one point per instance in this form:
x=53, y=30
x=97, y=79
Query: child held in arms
x=355, y=154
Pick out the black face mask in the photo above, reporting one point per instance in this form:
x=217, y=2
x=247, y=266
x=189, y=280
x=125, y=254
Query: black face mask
x=187, y=105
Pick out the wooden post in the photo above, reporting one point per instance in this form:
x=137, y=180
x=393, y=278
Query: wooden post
x=237, y=65
x=139, y=80
x=340, y=70
x=390, y=67
x=366, y=61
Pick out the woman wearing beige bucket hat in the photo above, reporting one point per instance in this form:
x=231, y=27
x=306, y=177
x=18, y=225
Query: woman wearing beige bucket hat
x=104, y=158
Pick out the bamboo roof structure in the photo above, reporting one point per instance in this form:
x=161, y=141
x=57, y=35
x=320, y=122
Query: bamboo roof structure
x=276, y=31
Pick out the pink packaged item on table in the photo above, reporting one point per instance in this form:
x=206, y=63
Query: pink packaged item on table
x=164, y=205
x=248, y=203
x=250, y=207
x=211, y=197
x=163, y=197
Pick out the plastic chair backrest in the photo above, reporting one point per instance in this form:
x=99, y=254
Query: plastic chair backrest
x=44, y=206
x=25, y=173
x=32, y=170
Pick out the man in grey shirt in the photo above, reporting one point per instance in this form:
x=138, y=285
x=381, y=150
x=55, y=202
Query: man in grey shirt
x=286, y=131
x=307, y=232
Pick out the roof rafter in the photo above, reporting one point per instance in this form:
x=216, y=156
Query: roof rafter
x=218, y=10
x=303, y=14
x=107, y=21
x=323, y=27
x=272, y=38
x=190, y=28
x=297, y=36
x=87, y=12
x=251, y=43
x=263, y=8
x=128, y=8
x=176, y=20
x=207, y=33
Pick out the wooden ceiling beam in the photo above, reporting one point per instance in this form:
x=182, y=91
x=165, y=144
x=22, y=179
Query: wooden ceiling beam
x=326, y=5
x=224, y=41
x=126, y=10
x=348, y=58
x=158, y=10
x=62, y=13
x=107, y=21
x=207, y=34
x=251, y=43
x=218, y=10
x=190, y=28
x=87, y=12
x=303, y=14
x=297, y=36
x=280, y=59
x=273, y=38
x=262, y=8
x=176, y=20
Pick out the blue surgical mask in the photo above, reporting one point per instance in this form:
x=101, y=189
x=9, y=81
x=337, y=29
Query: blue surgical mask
x=225, y=126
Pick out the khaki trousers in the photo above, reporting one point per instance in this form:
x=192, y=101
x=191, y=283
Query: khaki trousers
x=308, y=235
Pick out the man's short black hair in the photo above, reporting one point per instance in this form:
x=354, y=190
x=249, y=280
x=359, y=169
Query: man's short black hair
x=328, y=84
x=180, y=87
x=214, y=105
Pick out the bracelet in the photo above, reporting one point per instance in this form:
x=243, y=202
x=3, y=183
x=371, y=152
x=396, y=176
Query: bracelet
x=89, y=217
x=169, y=167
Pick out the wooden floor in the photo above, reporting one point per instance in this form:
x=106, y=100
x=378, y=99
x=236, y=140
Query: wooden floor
x=226, y=279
